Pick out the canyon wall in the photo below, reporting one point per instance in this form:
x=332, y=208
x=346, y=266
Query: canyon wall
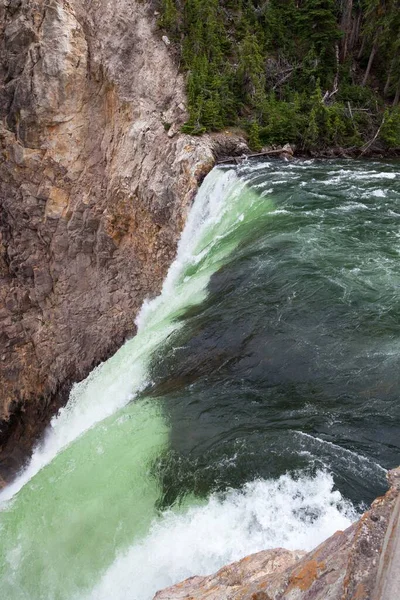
x=95, y=185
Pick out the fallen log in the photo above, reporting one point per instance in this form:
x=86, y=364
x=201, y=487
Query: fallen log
x=287, y=149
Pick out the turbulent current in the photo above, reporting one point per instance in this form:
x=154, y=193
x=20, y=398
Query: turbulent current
x=258, y=405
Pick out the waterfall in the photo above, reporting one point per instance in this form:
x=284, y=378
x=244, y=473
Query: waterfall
x=220, y=428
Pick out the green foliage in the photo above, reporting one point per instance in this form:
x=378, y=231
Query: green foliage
x=169, y=16
x=251, y=75
x=282, y=121
x=390, y=132
x=320, y=32
x=254, y=136
x=358, y=96
x=272, y=67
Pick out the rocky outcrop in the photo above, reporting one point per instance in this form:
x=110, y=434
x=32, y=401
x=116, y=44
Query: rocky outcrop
x=95, y=185
x=351, y=565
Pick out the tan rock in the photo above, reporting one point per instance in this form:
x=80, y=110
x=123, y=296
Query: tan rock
x=232, y=581
x=57, y=202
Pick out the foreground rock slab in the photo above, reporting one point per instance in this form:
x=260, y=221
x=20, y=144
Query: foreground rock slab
x=351, y=565
x=388, y=579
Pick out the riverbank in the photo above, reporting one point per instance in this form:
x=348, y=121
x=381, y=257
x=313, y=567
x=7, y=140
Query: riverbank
x=288, y=151
x=312, y=74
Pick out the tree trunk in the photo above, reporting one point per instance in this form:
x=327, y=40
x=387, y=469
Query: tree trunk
x=355, y=31
x=389, y=77
x=336, y=80
x=371, y=58
x=397, y=96
x=345, y=26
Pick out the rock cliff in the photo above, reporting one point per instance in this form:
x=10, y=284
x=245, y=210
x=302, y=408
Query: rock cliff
x=95, y=184
x=351, y=565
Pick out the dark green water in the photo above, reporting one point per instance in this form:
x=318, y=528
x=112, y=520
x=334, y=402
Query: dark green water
x=293, y=360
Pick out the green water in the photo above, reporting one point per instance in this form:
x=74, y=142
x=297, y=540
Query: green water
x=93, y=498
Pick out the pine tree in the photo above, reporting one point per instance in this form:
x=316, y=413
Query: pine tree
x=318, y=25
x=257, y=64
x=251, y=72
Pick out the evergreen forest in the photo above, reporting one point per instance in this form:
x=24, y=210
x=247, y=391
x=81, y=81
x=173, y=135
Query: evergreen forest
x=315, y=73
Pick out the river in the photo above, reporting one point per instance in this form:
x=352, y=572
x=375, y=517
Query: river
x=258, y=405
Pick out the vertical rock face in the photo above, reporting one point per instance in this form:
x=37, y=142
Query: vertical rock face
x=93, y=193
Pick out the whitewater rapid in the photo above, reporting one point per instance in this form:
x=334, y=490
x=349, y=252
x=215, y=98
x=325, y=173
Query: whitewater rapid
x=230, y=526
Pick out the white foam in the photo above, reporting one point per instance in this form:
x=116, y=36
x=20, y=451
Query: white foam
x=347, y=174
x=291, y=513
x=267, y=192
x=369, y=175
x=352, y=206
x=378, y=193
